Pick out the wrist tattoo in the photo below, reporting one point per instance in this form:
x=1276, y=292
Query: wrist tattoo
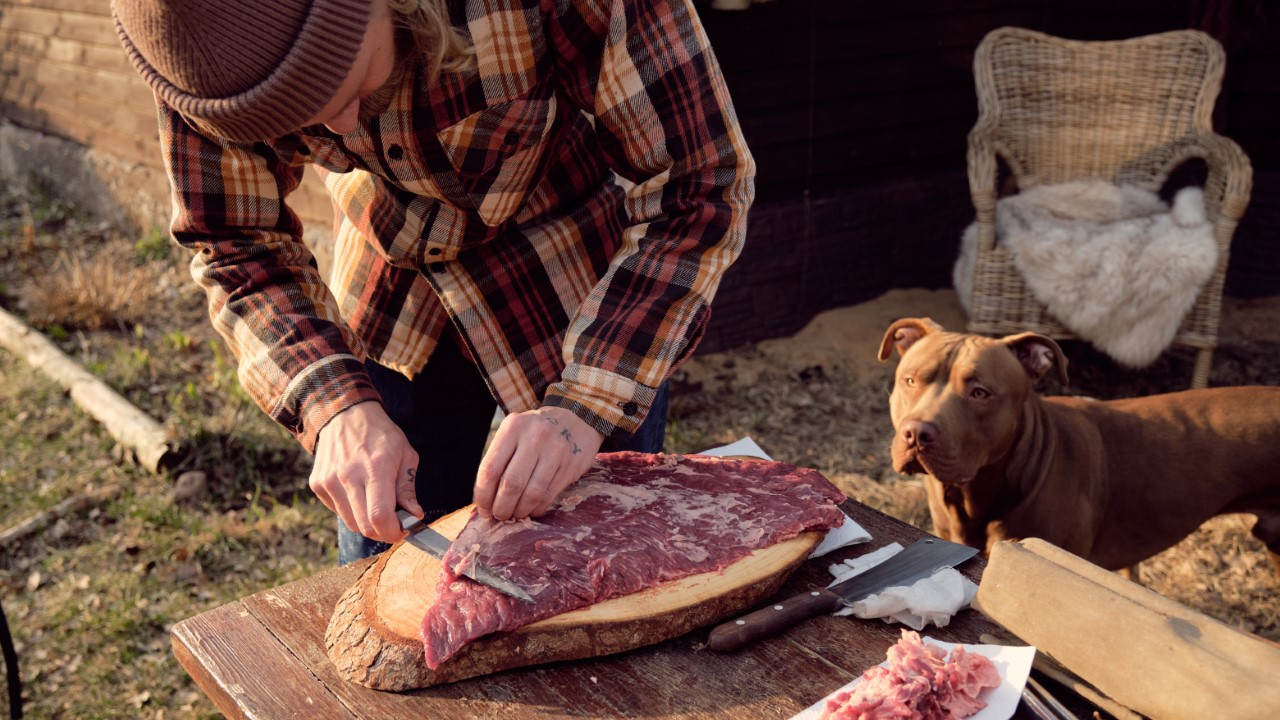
x=568, y=437
x=573, y=446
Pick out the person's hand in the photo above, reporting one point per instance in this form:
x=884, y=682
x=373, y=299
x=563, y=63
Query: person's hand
x=364, y=468
x=533, y=457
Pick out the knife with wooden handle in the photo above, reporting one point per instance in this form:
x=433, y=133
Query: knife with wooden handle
x=920, y=560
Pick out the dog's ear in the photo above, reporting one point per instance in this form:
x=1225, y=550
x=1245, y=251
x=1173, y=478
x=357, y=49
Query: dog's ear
x=904, y=333
x=1037, y=354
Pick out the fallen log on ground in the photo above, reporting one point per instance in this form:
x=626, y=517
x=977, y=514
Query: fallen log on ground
x=143, y=436
x=48, y=516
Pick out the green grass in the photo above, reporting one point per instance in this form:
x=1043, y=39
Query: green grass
x=91, y=598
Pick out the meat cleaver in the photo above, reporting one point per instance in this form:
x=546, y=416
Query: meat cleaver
x=920, y=560
x=436, y=545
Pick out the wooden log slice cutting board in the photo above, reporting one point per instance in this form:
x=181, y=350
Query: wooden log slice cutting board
x=374, y=638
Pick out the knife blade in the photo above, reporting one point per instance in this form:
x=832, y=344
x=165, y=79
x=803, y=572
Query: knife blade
x=920, y=560
x=424, y=538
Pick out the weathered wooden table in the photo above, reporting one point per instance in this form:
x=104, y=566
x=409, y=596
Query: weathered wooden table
x=264, y=657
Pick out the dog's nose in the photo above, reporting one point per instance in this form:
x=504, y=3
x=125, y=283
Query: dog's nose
x=919, y=434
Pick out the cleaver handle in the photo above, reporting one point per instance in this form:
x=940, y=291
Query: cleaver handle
x=771, y=620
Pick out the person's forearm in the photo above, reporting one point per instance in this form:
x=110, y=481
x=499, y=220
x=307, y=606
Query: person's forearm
x=296, y=357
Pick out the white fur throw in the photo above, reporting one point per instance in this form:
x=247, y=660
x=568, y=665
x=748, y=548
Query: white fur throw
x=1112, y=263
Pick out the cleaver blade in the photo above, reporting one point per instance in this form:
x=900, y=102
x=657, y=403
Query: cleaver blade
x=920, y=560
x=422, y=537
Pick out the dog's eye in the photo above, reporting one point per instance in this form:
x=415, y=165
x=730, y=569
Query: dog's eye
x=979, y=393
x=909, y=381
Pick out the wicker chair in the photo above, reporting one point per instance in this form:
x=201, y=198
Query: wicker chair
x=1128, y=112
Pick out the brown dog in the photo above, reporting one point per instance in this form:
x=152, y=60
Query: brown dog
x=1113, y=482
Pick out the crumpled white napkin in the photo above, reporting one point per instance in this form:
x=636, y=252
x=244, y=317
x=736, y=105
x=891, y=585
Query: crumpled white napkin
x=932, y=600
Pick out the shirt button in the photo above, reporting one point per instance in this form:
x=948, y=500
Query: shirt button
x=511, y=138
x=630, y=408
x=437, y=267
x=396, y=152
x=433, y=251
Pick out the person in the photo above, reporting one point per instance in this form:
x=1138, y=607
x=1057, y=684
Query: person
x=535, y=203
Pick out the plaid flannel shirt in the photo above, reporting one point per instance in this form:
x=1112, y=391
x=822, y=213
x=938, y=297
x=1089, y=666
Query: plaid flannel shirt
x=569, y=205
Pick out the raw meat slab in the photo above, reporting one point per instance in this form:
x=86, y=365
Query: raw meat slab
x=373, y=637
x=676, y=502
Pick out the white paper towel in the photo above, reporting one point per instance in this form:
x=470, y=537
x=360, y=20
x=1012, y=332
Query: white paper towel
x=933, y=600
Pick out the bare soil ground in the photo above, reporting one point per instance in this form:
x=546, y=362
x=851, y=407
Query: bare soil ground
x=820, y=399
x=91, y=598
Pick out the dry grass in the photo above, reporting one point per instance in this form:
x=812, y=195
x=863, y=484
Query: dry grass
x=91, y=599
x=94, y=288
x=835, y=418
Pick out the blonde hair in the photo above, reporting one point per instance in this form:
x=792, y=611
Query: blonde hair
x=443, y=47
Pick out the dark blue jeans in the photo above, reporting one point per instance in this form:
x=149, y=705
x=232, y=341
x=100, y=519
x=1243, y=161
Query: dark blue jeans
x=446, y=412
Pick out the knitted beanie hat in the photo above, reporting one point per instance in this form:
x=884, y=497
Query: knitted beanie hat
x=248, y=70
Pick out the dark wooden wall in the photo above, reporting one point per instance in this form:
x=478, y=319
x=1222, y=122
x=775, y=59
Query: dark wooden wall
x=856, y=111
x=1247, y=111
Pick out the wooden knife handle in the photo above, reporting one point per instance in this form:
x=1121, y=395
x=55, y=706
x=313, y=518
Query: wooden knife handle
x=771, y=620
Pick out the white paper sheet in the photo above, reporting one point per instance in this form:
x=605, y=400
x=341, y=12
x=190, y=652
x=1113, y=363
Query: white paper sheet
x=744, y=447
x=1013, y=664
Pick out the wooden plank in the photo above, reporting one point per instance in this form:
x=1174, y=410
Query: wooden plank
x=61, y=92
x=246, y=671
x=67, y=25
x=298, y=614
x=135, y=147
x=625, y=683
x=901, y=113
x=264, y=657
x=73, y=52
x=87, y=7
x=90, y=117
x=783, y=86
x=86, y=84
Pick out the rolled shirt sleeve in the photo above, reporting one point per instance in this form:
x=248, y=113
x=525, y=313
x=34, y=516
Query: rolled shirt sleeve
x=296, y=358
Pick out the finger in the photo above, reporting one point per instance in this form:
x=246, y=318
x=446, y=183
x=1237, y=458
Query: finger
x=540, y=491
x=343, y=510
x=322, y=493
x=513, y=480
x=354, y=493
x=495, y=461
x=407, y=487
x=380, y=506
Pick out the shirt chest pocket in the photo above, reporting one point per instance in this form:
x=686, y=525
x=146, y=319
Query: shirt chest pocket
x=496, y=153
